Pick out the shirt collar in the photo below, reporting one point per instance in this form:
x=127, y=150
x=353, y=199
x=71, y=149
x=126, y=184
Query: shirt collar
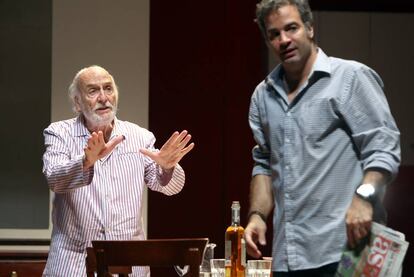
x=119, y=129
x=321, y=67
x=80, y=130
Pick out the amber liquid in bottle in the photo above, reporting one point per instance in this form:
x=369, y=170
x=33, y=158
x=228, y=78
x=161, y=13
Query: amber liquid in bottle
x=235, y=248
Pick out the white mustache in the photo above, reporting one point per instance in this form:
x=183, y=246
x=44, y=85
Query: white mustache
x=100, y=106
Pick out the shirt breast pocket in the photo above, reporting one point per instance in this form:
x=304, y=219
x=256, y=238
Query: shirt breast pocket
x=318, y=119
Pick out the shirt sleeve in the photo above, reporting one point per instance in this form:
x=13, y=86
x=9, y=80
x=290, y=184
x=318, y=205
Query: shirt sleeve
x=63, y=172
x=157, y=179
x=365, y=109
x=260, y=152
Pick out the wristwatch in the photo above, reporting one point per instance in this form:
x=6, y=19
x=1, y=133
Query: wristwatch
x=368, y=193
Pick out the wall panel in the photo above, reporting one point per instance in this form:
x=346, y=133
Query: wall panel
x=25, y=77
x=205, y=61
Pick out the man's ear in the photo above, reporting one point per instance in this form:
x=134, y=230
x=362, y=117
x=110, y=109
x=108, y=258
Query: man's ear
x=309, y=30
x=77, y=104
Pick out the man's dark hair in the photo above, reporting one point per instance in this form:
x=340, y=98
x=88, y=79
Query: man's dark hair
x=265, y=7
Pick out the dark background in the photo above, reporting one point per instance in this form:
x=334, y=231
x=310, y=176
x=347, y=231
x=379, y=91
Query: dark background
x=25, y=82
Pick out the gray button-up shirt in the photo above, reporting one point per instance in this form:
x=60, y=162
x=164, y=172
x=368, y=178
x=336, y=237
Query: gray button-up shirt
x=316, y=149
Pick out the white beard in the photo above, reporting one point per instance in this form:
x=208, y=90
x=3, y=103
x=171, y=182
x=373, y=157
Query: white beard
x=96, y=120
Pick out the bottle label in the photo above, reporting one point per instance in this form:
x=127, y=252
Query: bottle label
x=235, y=217
x=243, y=252
x=227, y=252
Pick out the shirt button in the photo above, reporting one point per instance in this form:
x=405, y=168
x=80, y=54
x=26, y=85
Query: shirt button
x=287, y=140
x=288, y=113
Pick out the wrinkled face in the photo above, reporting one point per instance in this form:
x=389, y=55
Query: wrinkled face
x=98, y=97
x=288, y=36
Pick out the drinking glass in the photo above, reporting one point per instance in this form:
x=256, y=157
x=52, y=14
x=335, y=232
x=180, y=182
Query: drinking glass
x=205, y=266
x=259, y=268
x=217, y=268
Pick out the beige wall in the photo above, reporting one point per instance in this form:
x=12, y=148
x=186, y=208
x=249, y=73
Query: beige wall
x=113, y=34
x=109, y=33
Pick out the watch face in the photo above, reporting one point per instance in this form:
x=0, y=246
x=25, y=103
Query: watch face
x=366, y=190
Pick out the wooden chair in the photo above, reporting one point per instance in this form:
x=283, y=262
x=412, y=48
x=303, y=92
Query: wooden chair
x=112, y=255
x=90, y=262
x=91, y=267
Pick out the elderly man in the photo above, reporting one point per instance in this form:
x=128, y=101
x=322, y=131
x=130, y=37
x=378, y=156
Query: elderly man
x=97, y=166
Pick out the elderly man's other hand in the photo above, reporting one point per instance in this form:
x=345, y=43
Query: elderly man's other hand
x=97, y=148
x=172, y=151
x=358, y=220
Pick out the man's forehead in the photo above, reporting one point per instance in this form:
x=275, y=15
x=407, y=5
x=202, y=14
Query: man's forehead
x=95, y=76
x=286, y=14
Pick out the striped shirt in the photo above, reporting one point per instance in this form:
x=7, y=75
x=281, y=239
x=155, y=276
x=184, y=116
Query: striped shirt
x=316, y=149
x=104, y=202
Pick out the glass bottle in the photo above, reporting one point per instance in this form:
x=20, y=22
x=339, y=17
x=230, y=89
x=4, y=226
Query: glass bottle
x=235, y=247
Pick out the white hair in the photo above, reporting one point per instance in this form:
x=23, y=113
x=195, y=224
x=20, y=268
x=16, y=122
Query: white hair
x=74, y=89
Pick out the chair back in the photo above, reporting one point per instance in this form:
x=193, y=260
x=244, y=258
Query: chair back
x=152, y=252
x=91, y=267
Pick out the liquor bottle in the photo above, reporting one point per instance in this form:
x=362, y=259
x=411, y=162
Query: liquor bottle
x=235, y=247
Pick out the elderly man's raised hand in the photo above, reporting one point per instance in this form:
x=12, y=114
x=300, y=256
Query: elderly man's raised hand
x=172, y=151
x=97, y=148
